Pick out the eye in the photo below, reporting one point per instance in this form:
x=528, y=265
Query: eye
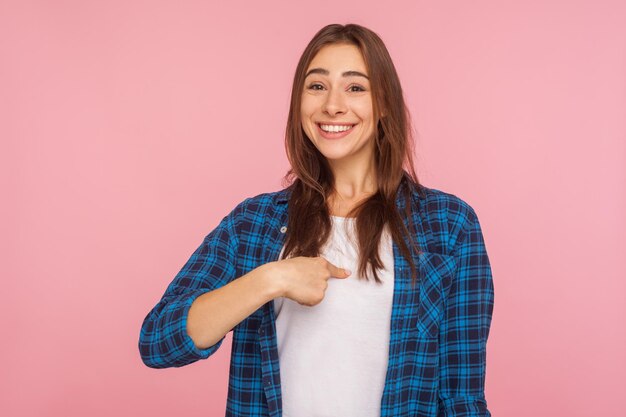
x=315, y=86
x=356, y=88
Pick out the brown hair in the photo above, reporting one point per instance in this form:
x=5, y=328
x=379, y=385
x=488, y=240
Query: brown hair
x=311, y=178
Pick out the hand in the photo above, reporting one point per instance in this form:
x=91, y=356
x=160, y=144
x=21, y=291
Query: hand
x=305, y=279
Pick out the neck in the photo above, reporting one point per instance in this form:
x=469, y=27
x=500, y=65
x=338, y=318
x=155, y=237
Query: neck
x=354, y=178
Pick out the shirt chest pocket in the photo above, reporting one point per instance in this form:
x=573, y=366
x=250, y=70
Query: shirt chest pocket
x=427, y=304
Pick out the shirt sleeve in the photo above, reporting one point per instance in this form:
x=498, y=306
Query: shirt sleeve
x=163, y=339
x=465, y=327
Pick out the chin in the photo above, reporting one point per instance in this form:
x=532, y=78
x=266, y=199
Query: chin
x=334, y=156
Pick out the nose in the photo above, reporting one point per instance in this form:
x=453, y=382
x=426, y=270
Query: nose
x=334, y=103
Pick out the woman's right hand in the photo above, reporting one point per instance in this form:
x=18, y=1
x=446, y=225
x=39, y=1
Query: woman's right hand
x=305, y=279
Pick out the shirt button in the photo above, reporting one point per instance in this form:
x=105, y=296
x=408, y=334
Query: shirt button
x=283, y=229
x=261, y=332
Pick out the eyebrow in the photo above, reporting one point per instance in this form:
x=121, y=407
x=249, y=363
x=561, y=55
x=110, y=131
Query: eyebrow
x=344, y=74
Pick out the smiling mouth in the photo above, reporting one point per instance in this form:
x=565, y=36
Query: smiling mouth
x=335, y=128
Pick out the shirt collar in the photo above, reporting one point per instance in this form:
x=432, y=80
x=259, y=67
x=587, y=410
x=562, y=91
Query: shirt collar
x=282, y=196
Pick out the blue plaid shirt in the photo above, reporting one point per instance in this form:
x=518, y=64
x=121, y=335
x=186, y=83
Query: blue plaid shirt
x=439, y=329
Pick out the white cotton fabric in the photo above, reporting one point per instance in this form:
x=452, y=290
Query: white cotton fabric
x=333, y=356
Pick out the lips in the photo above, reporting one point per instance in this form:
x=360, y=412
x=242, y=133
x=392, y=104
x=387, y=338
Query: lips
x=338, y=130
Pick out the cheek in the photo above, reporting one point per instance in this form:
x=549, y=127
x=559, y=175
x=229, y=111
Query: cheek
x=364, y=111
x=307, y=106
x=305, y=118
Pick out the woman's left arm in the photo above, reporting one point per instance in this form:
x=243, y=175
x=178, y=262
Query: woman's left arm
x=465, y=327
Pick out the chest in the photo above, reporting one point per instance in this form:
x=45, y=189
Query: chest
x=417, y=308
x=412, y=324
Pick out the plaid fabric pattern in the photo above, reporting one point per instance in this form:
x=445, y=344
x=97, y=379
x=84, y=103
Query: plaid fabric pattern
x=439, y=328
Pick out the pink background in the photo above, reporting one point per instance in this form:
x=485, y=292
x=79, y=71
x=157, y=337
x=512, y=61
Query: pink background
x=129, y=129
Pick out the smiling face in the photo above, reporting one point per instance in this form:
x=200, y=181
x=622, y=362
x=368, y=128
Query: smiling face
x=336, y=108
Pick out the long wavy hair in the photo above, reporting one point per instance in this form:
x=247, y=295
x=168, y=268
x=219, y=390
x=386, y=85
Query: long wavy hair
x=310, y=176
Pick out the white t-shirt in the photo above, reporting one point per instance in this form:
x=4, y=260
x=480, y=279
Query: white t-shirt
x=333, y=356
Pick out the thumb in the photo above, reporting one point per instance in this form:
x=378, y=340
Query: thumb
x=338, y=272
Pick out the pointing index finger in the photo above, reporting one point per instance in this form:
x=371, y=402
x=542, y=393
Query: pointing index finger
x=338, y=272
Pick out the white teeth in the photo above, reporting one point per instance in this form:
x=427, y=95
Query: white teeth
x=335, y=128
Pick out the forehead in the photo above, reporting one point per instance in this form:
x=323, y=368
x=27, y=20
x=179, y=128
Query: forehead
x=339, y=57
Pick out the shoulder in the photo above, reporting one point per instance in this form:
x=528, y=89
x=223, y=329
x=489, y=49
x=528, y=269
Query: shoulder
x=444, y=214
x=261, y=205
x=437, y=202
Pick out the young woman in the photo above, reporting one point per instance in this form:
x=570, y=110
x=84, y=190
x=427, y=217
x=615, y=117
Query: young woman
x=354, y=291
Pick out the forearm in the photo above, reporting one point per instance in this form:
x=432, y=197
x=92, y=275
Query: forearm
x=465, y=327
x=215, y=313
